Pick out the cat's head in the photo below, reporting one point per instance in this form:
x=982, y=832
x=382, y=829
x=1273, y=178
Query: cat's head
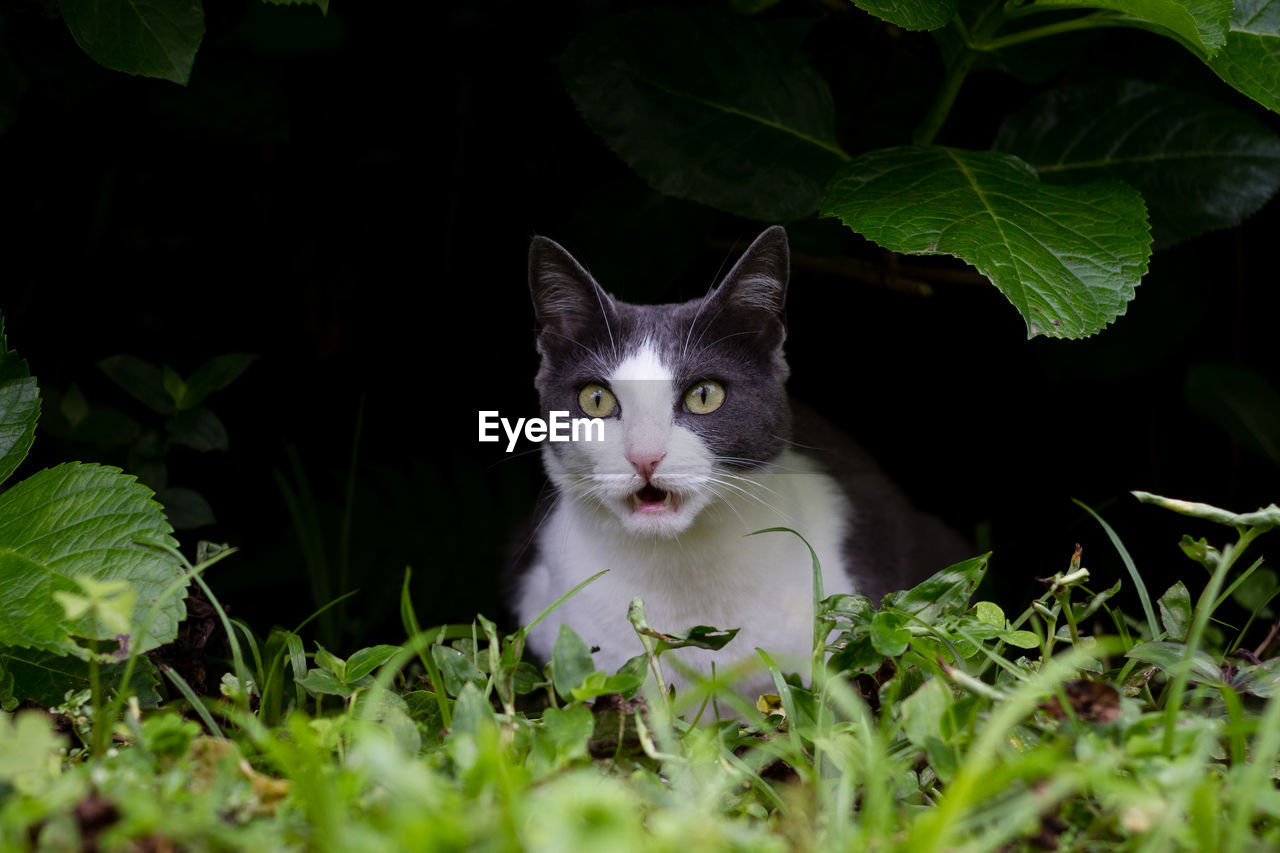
x=691, y=394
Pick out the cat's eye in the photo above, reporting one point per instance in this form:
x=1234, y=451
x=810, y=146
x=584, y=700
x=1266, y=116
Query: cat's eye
x=597, y=401
x=704, y=397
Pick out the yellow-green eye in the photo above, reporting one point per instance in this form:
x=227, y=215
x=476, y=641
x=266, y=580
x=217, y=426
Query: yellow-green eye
x=704, y=397
x=597, y=401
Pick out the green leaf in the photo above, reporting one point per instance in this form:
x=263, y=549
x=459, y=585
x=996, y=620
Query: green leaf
x=1021, y=639
x=81, y=521
x=367, y=660
x=140, y=378
x=599, y=684
x=1200, y=165
x=153, y=38
x=709, y=108
x=1265, y=518
x=911, y=14
x=1167, y=656
x=569, y=729
x=989, y=613
x=943, y=593
x=1256, y=589
x=570, y=661
x=1201, y=24
x=1175, y=612
x=1250, y=61
x=923, y=710
x=1067, y=257
x=456, y=669
x=322, y=681
x=19, y=409
x=888, y=635
x=698, y=637
x=857, y=655
x=45, y=677
x=214, y=375
x=199, y=429
x=1242, y=402
x=331, y=663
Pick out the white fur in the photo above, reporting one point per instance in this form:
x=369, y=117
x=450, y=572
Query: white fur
x=694, y=565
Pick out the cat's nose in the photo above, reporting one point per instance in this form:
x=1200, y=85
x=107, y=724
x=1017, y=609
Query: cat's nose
x=644, y=463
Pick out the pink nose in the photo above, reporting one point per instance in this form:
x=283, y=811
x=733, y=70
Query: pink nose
x=644, y=463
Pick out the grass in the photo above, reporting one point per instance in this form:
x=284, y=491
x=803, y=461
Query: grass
x=934, y=723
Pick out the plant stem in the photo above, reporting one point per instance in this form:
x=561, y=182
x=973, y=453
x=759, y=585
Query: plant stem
x=937, y=115
x=95, y=686
x=1204, y=608
x=1087, y=22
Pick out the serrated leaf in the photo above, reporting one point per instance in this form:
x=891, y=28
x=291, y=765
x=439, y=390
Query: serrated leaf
x=153, y=38
x=1265, y=518
x=1067, y=257
x=45, y=677
x=1241, y=401
x=1200, y=165
x=214, y=375
x=73, y=521
x=911, y=14
x=707, y=107
x=1175, y=612
x=141, y=379
x=1250, y=60
x=19, y=408
x=323, y=4
x=199, y=429
x=570, y=661
x=1201, y=24
x=942, y=593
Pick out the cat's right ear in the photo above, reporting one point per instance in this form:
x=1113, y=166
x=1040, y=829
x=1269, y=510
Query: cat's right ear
x=566, y=299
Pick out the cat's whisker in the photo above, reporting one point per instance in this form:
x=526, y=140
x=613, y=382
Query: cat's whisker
x=748, y=493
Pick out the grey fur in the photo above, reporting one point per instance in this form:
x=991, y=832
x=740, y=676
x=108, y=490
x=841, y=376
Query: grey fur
x=734, y=335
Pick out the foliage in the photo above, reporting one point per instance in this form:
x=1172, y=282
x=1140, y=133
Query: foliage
x=1060, y=217
x=947, y=727
x=158, y=38
x=86, y=565
x=175, y=402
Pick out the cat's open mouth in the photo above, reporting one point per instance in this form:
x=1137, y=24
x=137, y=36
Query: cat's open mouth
x=652, y=499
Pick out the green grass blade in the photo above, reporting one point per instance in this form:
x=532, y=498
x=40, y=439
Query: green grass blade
x=192, y=699
x=1141, y=587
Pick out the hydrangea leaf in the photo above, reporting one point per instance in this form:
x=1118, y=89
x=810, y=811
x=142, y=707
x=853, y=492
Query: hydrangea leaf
x=1199, y=164
x=81, y=521
x=1067, y=257
x=712, y=108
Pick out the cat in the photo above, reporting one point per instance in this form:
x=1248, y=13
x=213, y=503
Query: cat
x=702, y=447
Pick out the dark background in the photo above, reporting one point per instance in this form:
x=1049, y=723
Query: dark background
x=351, y=198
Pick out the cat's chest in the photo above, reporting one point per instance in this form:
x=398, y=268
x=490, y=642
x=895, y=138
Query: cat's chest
x=715, y=573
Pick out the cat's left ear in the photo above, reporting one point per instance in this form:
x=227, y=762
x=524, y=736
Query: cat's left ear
x=755, y=290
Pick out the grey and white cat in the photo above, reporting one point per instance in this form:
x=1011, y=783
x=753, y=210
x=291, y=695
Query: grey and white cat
x=701, y=448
